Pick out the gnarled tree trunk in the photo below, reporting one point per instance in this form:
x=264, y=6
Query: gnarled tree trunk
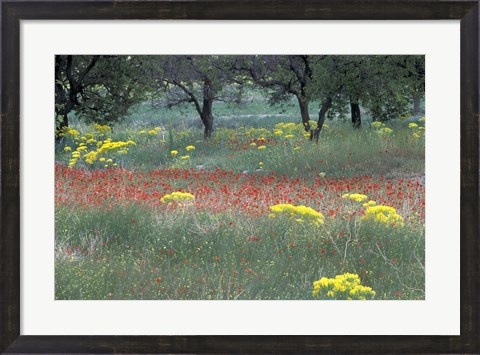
x=207, y=113
x=327, y=103
x=66, y=98
x=355, y=111
x=303, y=103
x=207, y=119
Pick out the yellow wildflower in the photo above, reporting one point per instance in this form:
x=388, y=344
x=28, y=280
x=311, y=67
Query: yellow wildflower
x=342, y=287
x=102, y=128
x=383, y=214
x=177, y=196
x=298, y=212
x=355, y=197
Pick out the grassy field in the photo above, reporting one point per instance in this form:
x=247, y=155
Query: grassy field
x=147, y=209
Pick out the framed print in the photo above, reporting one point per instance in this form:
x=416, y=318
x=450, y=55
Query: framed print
x=263, y=176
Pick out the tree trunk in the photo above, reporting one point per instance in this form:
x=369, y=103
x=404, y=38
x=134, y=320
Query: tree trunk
x=416, y=104
x=207, y=119
x=207, y=113
x=66, y=97
x=303, y=103
x=321, y=118
x=356, y=118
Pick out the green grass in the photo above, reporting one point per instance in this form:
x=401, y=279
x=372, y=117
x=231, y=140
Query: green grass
x=123, y=248
x=140, y=254
x=341, y=151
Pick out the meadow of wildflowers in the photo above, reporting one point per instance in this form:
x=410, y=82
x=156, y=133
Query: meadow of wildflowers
x=252, y=213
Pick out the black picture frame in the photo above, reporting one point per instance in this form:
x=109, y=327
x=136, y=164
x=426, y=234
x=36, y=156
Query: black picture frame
x=12, y=12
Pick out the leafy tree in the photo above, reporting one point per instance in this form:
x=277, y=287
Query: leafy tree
x=97, y=88
x=395, y=81
x=338, y=81
x=381, y=84
x=199, y=80
x=283, y=76
x=70, y=81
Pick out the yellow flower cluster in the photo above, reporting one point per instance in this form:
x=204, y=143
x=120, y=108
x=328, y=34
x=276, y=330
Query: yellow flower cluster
x=108, y=145
x=152, y=132
x=90, y=147
x=286, y=130
x=369, y=203
x=386, y=130
x=417, y=131
x=355, y=197
x=177, y=196
x=188, y=148
x=73, y=132
x=90, y=157
x=66, y=131
x=343, y=287
x=290, y=129
x=381, y=129
x=383, y=214
x=287, y=126
x=256, y=133
x=104, y=147
x=298, y=213
x=102, y=128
